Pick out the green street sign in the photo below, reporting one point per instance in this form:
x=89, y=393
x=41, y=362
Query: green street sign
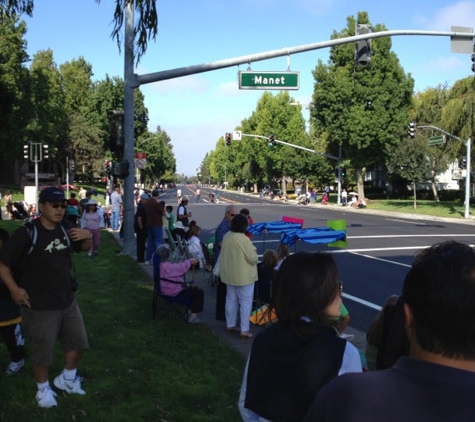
x=437, y=140
x=269, y=80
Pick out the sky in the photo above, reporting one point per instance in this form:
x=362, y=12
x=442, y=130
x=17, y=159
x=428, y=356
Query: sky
x=197, y=110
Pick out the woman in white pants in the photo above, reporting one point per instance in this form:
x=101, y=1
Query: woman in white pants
x=238, y=267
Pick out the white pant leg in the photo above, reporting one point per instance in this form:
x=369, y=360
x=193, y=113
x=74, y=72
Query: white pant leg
x=245, y=295
x=232, y=306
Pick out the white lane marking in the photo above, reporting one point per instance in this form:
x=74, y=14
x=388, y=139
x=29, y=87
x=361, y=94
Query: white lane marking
x=405, y=221
x=381, y=259
x=362, y=301
x=402, y=248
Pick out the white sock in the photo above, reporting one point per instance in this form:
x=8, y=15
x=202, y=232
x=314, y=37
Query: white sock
x=69, y=374
x=42, y=385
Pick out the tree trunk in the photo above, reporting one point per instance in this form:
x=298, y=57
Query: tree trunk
x=284, y=185
x=434, y=187
x=359, y=176
x=255, y=187
x=414, y=189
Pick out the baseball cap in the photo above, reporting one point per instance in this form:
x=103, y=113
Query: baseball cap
x=52, y=194
x=155, y=192
x=144, y=196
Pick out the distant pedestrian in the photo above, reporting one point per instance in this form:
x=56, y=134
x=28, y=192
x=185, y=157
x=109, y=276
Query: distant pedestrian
x=344, y=197
x=93, y=220
x=140, y=227
x=198, y=195
x=155, y=212
x=116, y=208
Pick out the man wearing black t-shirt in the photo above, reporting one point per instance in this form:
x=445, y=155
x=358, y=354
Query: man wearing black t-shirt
x=44, y=291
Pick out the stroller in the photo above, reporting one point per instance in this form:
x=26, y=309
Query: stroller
x=19, y=212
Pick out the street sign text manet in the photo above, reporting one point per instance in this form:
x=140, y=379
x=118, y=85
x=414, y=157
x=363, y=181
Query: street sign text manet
x=437, y=140
x=269, y=80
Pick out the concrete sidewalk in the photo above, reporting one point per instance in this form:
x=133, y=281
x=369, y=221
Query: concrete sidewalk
x=219, y=327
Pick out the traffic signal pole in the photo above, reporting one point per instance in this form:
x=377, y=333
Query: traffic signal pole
x=132, y=81
x=468, y=145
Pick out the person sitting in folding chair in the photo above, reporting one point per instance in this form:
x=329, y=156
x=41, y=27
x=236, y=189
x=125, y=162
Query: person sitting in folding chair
x=173, y=284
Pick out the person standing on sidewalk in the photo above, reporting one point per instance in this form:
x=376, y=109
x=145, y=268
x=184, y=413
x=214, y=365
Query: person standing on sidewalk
x=49, y=308
x=140, y=227
x=155, y=212
x=222, y=229
x=116, y=207
x=198, y=195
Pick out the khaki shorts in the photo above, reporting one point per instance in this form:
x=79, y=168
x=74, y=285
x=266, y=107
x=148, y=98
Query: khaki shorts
x=45, y=327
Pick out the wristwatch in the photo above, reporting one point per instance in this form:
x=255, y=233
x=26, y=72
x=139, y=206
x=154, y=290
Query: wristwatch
x=89, y=237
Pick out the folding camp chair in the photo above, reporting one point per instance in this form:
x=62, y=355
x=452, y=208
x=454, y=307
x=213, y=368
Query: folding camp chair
x=182, y=247
x=178, y=304
x=174, y=251
x=207, y=270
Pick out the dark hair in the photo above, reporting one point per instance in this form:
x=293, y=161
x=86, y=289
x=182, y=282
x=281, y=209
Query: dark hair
x=195, y=230
x=440, y=290
x=72, y=195
x=245, y=212
x=239, y=223
x=269, y=258
x=304, y=286
x=169, y=208
x=3, y=236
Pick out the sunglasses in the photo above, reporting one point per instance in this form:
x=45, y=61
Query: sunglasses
x=61, y=205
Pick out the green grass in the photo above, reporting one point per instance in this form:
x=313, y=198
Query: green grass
x=136, y=369
x=424, y=207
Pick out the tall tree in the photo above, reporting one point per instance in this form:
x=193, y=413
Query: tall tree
x=409, y=160
x=363, y=109
x=15, y=99
x=145, y=27
x=428, y=108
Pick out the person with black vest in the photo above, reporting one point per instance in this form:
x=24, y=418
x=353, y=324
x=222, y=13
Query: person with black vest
x=181, y=213
x=291, y=360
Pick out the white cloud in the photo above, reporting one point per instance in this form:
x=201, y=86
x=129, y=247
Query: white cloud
x=228, y=89
x=457, y=14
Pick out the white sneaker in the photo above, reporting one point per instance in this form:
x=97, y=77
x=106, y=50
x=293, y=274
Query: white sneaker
x=71, y=387
x=46, y=397
x=14, y=367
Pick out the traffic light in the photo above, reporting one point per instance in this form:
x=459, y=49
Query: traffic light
x=271, y=140
x=227, y=138
x=121, y=169
x=411, y=130
x=343, y=172
x=45, y=151
x=107, y=166
x=463, y=163
x=116, y=129
x=26, y=151
x=72, y=165
x=473, y=55
x=363, y=47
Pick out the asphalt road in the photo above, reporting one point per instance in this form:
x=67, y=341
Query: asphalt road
x=380, y=247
